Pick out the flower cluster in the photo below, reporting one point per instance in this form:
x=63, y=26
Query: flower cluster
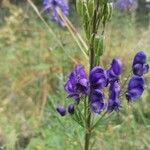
x=137, y=83
x=79, y=85
x=52, y=5
x=100, y=78
x=126, y=5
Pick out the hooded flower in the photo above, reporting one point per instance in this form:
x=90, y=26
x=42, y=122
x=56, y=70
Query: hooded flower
x=114, y=93
x=140, y=66
x=97, y=101
x=98, y=78
x=61, y=110
x=126, y=5
x=71, y=108
x=135, y=88
x=115, y=70
x=77, y=84
x=52, y=5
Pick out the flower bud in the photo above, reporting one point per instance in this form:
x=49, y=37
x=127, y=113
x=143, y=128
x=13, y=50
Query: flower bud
x=140, y=66
x=61, y=110
x=71, y=108
x=135, y=88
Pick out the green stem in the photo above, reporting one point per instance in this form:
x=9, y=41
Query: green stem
x=88, y=132
x=88, y=129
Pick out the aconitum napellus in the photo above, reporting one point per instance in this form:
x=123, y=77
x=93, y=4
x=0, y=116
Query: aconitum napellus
x=135, y=88
x=114, y=97
x=140, y=66
x=71, y=109
x=79, y=86
x=137, y=83
x=61, y=110
x=97, y=101
x=115, y=70
x=98, y=78
x=52, y=5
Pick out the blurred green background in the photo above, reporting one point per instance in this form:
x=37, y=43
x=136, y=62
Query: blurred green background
x=34, y=68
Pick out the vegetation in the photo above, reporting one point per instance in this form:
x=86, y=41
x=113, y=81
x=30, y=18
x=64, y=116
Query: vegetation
x=34, y=64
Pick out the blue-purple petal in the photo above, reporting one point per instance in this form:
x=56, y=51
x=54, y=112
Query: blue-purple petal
x=117, y=66
x=140, y=66
x=140, y=58
x=145, y=68
x=115, y=70
x=134, y=94
x=114, y=95
x=98, y=78
x=97, y=106
x=71, y=109
x=136, y=82
x=77, y=84
x=61, y=110
x=97, y=101
x=52, y=5
x=135, y=88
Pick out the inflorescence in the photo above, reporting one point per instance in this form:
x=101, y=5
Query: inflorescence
x=79, y=85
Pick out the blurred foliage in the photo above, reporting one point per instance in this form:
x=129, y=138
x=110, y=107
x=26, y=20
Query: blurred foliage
x=33, y=69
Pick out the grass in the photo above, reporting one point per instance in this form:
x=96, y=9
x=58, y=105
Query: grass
x=33, y=69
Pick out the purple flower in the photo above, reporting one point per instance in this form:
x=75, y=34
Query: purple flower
x=126, y=5
x=115, y=70
x=98, y=78
x=135, y=88
x=52, y=5
x=114, y=93
x=140, y=65
x=61, y=110
x=77, y=84
x=71, y=108
x=97, y=101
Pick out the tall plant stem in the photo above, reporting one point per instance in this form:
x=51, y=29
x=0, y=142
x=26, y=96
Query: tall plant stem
x=88, y=130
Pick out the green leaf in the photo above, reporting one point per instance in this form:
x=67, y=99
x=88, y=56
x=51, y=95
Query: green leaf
x=99, y=46
x=109, y=11
x=79, y=6
x=90, y=7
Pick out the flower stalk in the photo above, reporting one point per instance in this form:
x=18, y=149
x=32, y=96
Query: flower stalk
x=94, y=24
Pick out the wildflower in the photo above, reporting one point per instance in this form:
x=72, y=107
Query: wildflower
x=140, y=66
x=77, y=84
x=114, y=93
x=98, y=78
x=115, y=70
x=126, y=5
x=52, y=5
x=135, y=88
x=97, y=101
x=71, y=108
x=61, y=110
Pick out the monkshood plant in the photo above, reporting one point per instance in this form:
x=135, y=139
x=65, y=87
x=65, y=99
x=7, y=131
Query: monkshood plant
x=89, y=90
